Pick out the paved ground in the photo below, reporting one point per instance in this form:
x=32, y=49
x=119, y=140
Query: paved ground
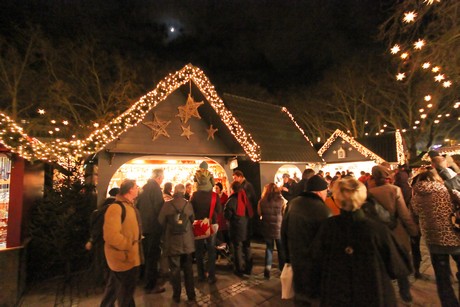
x=229, y=290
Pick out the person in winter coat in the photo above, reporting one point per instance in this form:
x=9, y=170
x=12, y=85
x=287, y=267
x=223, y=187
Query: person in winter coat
x=202, y=202
x=237, y=213
x=300, y=225
x=204, y=179
x=149, y=203
x=433, y=204
x=122, y=249
x=179, y=244
x=353, y=258
x=223, y=238
x=251, y=200
x=270, y=209
x=391, y=198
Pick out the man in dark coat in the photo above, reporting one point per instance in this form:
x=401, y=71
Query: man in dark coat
x=300, y=225
x=149, y=203
x=301, y=186
x=288, y=188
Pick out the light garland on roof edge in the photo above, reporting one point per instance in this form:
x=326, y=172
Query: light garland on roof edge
x=76, y=149
x=360, y=148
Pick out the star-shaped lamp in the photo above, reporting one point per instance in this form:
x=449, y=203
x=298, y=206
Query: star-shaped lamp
x=158, y=127
x=211, y=131
x=189, y=110
x=186, y=132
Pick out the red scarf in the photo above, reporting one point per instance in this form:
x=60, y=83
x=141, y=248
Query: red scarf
x=243, y=204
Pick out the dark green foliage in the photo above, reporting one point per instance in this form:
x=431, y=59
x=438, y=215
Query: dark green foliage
x=59, y=228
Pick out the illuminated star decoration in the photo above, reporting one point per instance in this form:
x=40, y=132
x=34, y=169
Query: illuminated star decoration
x=400, y=76
x=41, y=111
x=189, y=110
x=158, y=127
x=186, y=132
x=409, y=17
x=211, y=131
x=395, y=49
x=419, y=44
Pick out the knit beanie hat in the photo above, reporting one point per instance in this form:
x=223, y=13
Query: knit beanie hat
x=316, y=183
x=204, y=165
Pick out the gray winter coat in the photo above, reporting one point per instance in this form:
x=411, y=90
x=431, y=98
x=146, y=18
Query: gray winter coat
x=177, y=244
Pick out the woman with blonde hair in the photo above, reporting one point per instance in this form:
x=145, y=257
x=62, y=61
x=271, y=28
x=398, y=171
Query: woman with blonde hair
x=354, y=258
x=270, y=210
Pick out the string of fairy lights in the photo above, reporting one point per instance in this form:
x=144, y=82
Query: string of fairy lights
x=13, y=137
x=406, y=51
x=359, y=147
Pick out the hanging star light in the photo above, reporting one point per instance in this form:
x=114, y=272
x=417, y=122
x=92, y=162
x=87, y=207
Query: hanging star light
x=409, y=17
x=439, y=77
x=400, y=76
x=158, y=127
x=395, y=49
x=186, y=132
x=426, y=65
x=436, y=69
x=419, y=44
x=211, y=131
x=447, y=84
x=430, y=2
x=189, y=110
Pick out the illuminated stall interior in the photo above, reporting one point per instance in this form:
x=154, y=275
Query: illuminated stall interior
x=175, y=171
x=293, y=171
x=5, y=172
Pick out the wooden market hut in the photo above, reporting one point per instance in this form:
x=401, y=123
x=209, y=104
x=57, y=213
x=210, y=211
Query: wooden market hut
x=282, y=142
x=341, y=152
x=182, y=124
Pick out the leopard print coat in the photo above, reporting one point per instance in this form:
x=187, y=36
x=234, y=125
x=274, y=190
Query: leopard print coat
x=432, y=203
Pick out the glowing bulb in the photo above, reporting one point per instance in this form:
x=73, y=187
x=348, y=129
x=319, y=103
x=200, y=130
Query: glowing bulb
x=423, y=116
x=439, y=78
x=395, y=49
x=426, y=65
x=53, y=121
x=436, y=69
x=41, y=111
x=427, y=97
x=419, y=44
x=409, y=16
x=447, y=83
x=404, y=55
x=436, y=121
x=421, y=110
x=400, y=76
x=417, y=122
x=430, y=105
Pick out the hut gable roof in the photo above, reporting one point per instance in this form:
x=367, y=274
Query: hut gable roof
x=385, y=147
x=274, y=129
x=17, y=141
x=338, y=134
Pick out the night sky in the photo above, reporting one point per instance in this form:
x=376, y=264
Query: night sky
x=275, y=44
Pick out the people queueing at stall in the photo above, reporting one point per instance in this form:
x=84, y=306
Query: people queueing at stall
x=343, y=250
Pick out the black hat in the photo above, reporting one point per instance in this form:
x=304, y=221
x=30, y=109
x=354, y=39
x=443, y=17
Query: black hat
x=316, y=183
x=433, y=153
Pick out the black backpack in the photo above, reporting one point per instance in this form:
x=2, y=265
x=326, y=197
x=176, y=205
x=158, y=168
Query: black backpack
x=376, y=211
x=97, y=221
x=178, y=222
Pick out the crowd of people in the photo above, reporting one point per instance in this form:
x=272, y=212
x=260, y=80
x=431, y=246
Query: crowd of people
x=341, y=255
